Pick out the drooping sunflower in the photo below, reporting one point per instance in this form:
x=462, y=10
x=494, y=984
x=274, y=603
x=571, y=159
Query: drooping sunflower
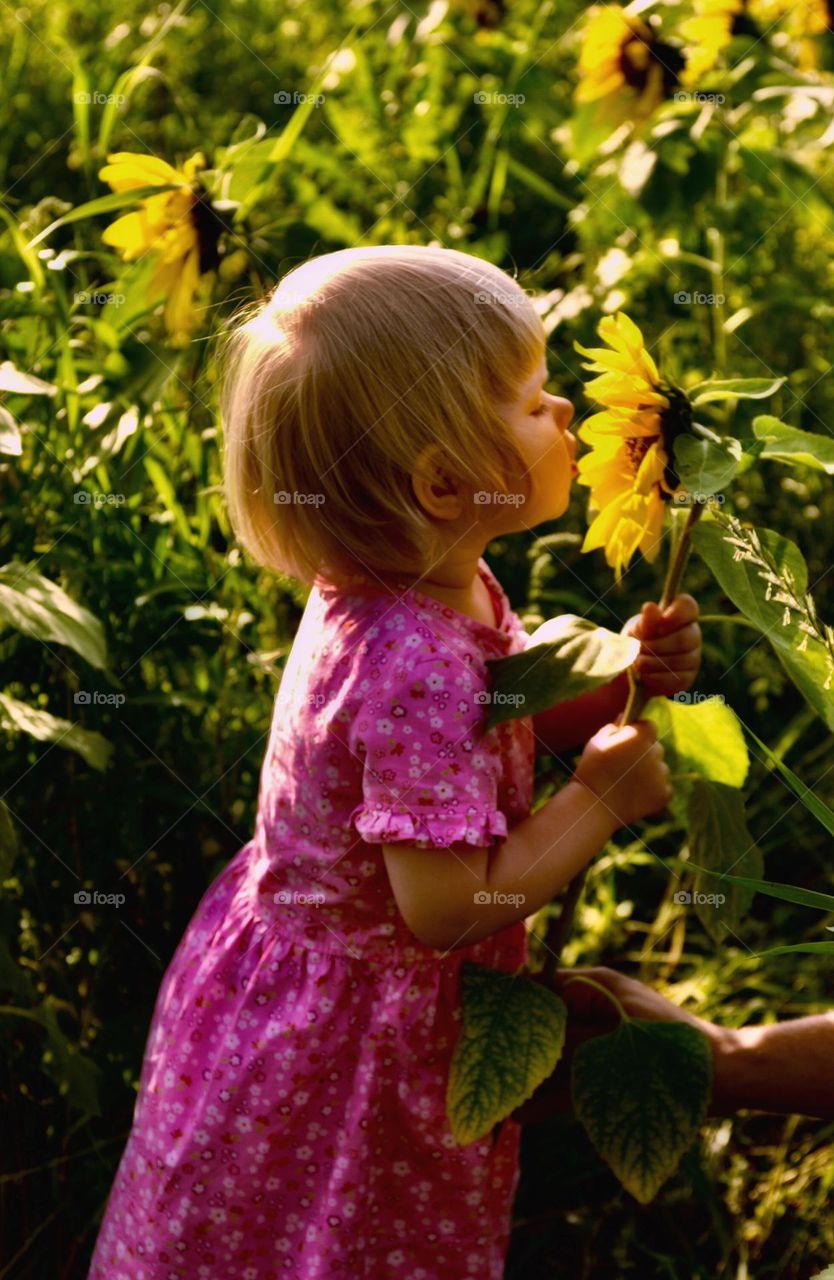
x=624, y=65
x=630, y=468
x=707, y=32
x=178, y=226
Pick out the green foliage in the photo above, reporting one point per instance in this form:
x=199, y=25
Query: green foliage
x=733, y=203
x=511, y=1038
x=642, y=1093
x=564, y=657
x=742, y=561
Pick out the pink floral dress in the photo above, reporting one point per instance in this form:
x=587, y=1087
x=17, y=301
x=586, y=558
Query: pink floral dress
x=291, y=1116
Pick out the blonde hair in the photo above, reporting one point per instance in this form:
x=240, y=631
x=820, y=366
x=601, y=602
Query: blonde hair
x=333, y=387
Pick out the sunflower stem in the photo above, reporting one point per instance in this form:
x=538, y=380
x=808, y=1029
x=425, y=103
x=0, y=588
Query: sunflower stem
x=637, y=695
x=718, y=251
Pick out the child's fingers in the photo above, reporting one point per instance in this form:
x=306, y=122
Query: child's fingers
x=682, y=641
x=671, y=662
x=682, y=610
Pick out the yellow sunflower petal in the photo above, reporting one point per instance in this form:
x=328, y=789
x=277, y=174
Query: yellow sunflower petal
x=126, y=169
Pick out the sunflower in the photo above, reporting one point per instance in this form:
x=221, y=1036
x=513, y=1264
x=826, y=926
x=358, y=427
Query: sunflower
x=178, y=226
x=629, y=469
x=706, y=33
x=624, y=66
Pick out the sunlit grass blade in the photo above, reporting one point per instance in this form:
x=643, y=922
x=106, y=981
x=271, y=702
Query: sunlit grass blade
x=817, y=807
x=785, y=892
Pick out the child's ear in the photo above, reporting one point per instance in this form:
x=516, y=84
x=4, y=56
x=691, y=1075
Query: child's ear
x=436, y=487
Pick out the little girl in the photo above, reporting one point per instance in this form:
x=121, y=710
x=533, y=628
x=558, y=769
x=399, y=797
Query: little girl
x=384, y=419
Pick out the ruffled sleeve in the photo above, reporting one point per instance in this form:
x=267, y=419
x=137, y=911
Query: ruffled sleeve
x=430, y=773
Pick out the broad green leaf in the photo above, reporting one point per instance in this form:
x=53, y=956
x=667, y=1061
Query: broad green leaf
x=689, y=732
x=744, y=582
x=511, y=1038
x=789, y=444
x=733, y=389
x=812, y=802
x=785, y=892
x=564, y=657
x=40, y=608
x=19, y=717
x=76, y=1075
x=642, y=1094
x=706, y=467
x=23, y=384
x=719, y=840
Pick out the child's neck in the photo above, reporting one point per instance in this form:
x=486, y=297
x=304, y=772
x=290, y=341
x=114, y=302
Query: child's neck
x=458, y=584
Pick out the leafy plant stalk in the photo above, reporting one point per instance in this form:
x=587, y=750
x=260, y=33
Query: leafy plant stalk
x=560, y=927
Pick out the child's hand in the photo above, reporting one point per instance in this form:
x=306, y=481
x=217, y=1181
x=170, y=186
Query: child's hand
x=624, y=766
x=670, y=649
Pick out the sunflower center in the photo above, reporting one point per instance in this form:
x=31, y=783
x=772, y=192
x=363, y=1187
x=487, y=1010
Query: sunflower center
x=675, y=420
x=636, y=448
x=637, y=57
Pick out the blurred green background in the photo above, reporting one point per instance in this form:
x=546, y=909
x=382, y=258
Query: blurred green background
x=151, y=792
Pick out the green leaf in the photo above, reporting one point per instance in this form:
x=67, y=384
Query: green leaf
x=564, y=657
x=11, y=441
x=76, y=1075
x=789, y=444
x=705, y=467
x=19, y=717
x=785, y=892
x=812, y=802
x=719, y=840
x=733, y=389
x=743, y=581
x=23, y=384
x=511, y=1039
x=103, y=204
x=689, y=732
x=40, y=608
x=8, y=841
x=807, y=948
x=642, y=1094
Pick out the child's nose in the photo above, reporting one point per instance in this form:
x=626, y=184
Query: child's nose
x=563, y=411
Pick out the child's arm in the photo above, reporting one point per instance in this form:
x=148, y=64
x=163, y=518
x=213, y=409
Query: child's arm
x=669, y=661
x=567, y=724
x=453, y=897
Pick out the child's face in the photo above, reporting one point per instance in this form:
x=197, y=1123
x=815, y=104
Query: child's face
x=540, y=426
